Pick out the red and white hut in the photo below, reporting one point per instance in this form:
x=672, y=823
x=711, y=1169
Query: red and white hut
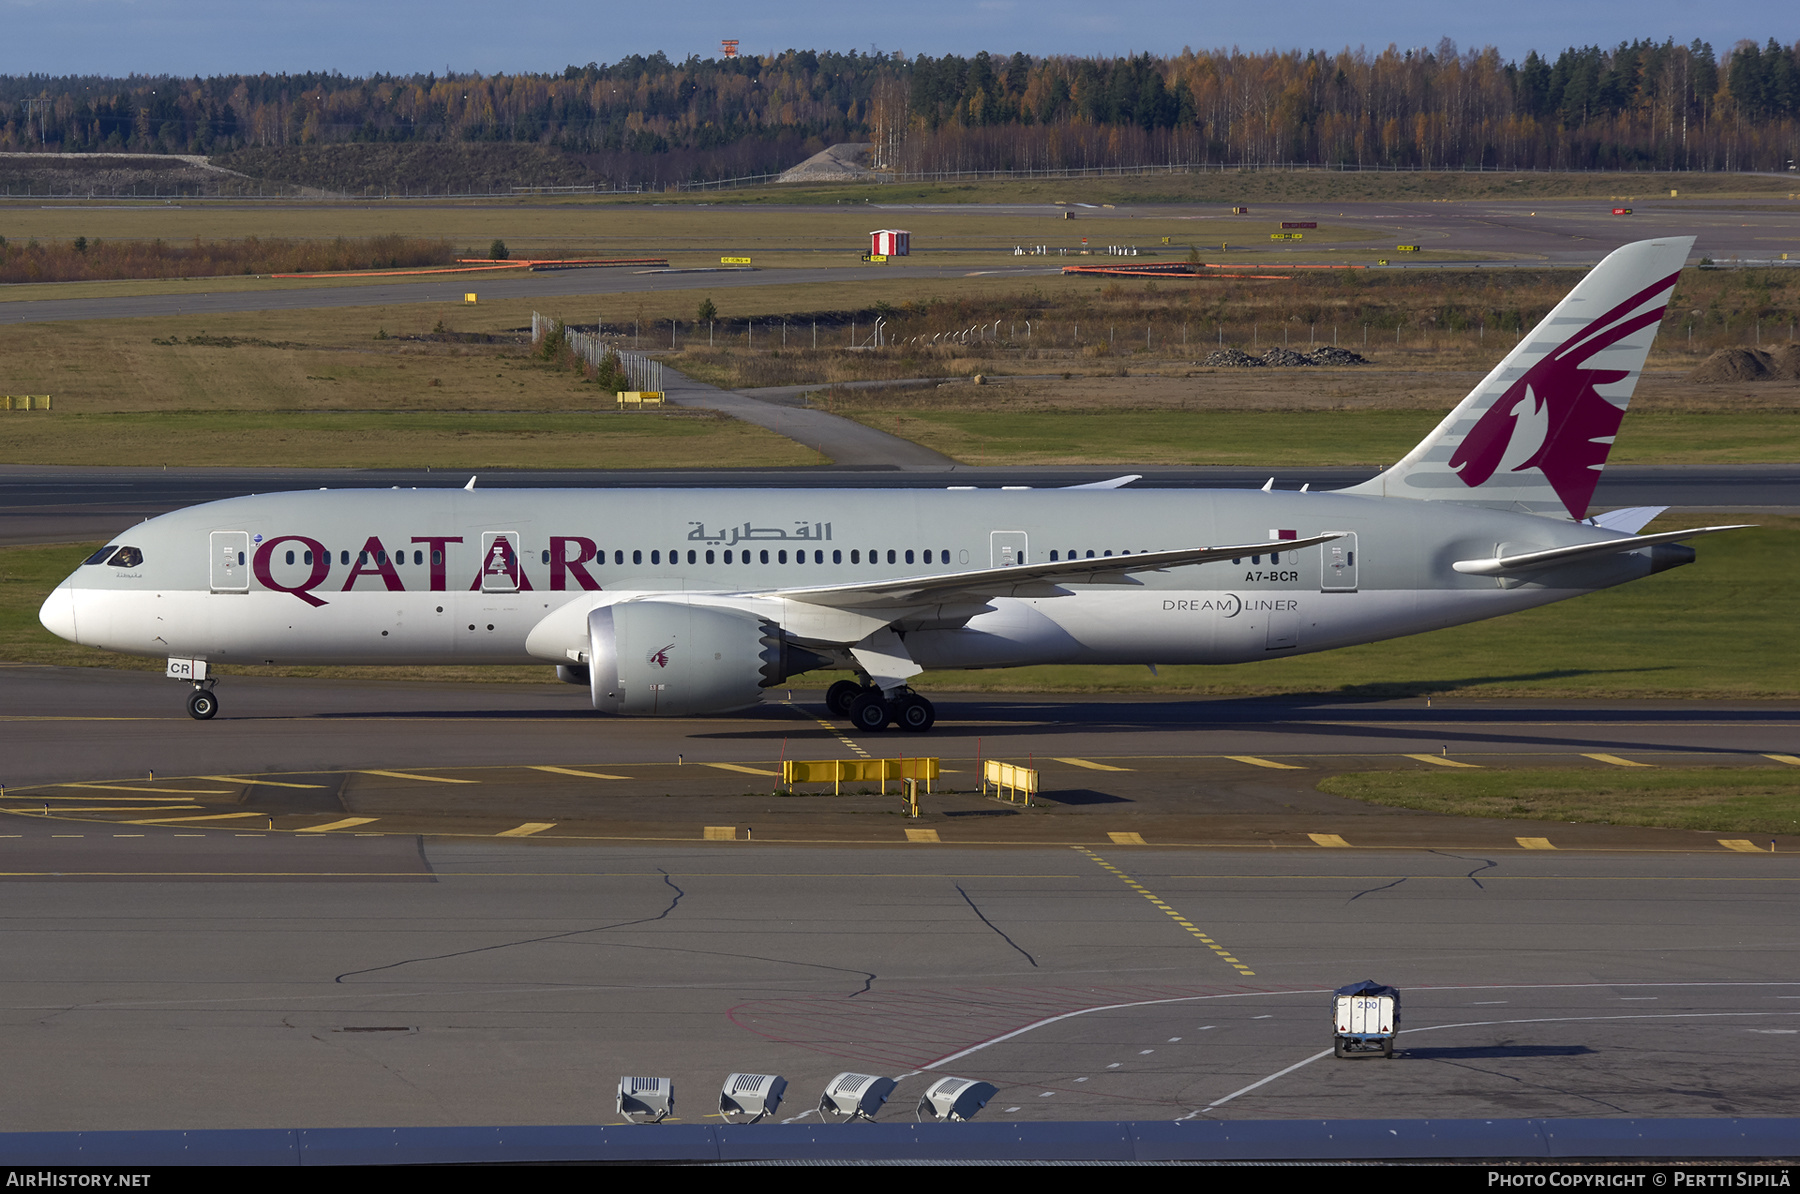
x=890, y=242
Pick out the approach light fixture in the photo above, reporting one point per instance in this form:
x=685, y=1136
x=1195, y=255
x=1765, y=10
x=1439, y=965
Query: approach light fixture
x=754, y=1095
x=650, y=1097
x=955, y=1099
x=858, y=1096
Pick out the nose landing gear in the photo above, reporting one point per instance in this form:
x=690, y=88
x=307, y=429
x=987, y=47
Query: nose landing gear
x=202, y=704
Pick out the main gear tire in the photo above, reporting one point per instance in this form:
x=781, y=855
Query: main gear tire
x=914, y=713
x=870, y=713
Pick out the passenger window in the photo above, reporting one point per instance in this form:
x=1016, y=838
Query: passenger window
x=437, y=557
x=765, y=555
x=928, y=555
x=855, y=556
x=781, y=556
x=619, y=557
x=100, y=555
x=546, y=555
x=1052, y=555
x=909, y=555
x=418, y=557
x=691, y=557
x=131, y=557
x=656, y=557
x=138, y=555
x=891, y=556
x=1274, y=557
x=837, y=557
x=637, y=557
x=308, y=557
x=709, y=555
x=290, y=557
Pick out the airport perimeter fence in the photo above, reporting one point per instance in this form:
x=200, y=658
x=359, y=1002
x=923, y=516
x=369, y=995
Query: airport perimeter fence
x=644, y=373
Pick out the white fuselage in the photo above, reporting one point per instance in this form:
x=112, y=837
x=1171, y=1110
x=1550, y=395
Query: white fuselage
x=507, y=576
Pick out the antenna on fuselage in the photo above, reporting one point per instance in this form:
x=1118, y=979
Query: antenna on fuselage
x=471, y=484
x=1267, y=485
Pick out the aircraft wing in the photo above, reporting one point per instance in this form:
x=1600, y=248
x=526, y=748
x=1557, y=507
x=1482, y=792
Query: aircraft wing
x=1532, y=560
x=1026, y=580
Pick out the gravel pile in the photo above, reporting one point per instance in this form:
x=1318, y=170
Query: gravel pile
x=1237, y=358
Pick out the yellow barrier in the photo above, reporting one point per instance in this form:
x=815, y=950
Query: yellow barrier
x=839, y=771
x=1016, y=780
x=640, y=398
x=27, y=402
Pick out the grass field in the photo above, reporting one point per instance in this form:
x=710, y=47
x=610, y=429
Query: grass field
x=1722, y=627
x=1719, y=799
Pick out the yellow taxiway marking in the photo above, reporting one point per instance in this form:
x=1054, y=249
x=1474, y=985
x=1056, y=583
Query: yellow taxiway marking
x=267, y=783
x=1224, y=954
x=921, y=835
x=579, y=774
x=1127, y=839
x=1790, y=760
x=1091, y=765
x=1616, y=761
x=527, y=829
x=115, y=808
x=1328, y=839
x=185, y=820
x=39, y=796
x=742, y=768
x=719, y=833
x=1535, y=843
x=346, y=823
x=1256, y=762
x=430, y=779
x=158, y=791
x=1441, y=761
x=1741, y=845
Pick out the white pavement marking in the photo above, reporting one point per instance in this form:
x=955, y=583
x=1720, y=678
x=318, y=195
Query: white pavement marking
x=1492, y=1023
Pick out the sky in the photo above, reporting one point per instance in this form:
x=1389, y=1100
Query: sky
x=356, y=37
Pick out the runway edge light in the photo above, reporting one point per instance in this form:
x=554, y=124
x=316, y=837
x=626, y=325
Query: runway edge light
x=955, y=1098
x=653, y=1097
x=755, y=1095
x=858, y=1096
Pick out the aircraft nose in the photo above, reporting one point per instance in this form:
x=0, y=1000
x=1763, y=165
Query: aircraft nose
x=58, y=613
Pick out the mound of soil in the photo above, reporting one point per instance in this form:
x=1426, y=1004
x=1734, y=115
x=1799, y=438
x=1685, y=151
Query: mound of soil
x=1750, y=364
x=1231, y=358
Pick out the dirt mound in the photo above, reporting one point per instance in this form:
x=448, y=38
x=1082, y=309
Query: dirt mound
x=1332, y=355
x=1231, y=358
x=1733, y=364
x=1784, y=362
x=1237, y=358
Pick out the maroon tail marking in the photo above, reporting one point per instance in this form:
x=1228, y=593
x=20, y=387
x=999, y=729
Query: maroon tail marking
x=1577, y=412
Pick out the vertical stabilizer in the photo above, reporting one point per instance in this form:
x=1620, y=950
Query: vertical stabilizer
x=1535, y=433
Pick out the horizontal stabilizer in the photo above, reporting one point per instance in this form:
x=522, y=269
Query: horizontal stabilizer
x=1027, y=579
x=1630, y=520
x=1531, y=561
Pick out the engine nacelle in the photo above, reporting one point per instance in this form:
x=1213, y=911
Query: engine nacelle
x=670, y=658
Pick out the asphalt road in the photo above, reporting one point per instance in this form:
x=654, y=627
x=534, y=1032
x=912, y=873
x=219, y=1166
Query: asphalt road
x=43, y=504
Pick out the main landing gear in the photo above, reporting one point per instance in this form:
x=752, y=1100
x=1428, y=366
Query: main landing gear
x=870, y=710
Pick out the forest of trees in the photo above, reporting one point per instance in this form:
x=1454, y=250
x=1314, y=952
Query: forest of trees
x=1640, y=105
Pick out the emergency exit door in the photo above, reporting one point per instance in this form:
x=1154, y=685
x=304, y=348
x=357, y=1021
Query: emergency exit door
x=1340, y=565
x=1010, y=548
x=231, y=561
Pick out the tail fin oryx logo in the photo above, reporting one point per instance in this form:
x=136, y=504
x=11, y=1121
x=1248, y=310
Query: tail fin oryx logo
x=1554, y=418
x=660, y=656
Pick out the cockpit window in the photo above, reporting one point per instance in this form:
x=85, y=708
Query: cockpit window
x=100, y=555
x=126, y=557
